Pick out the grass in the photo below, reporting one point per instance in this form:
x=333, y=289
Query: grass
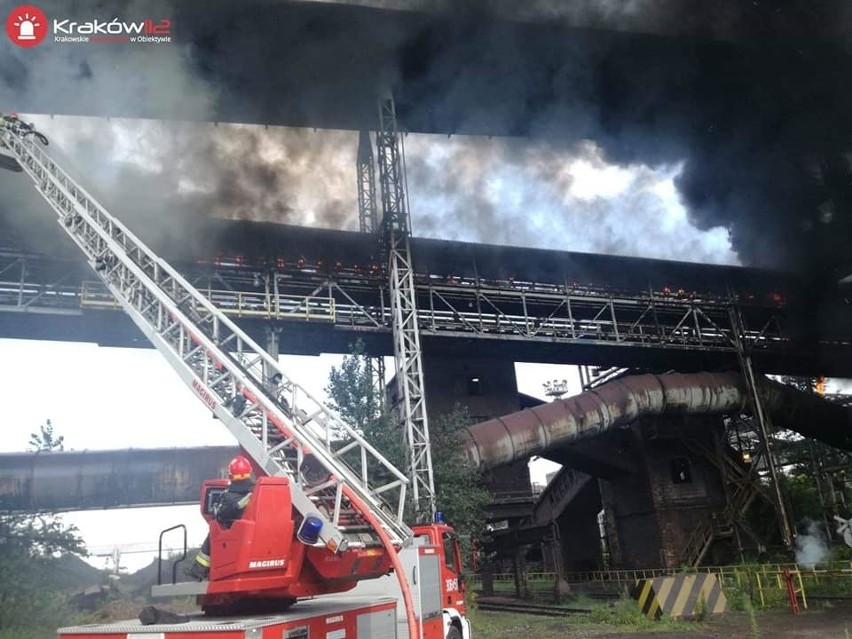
x=754, y=627
x=604, y=618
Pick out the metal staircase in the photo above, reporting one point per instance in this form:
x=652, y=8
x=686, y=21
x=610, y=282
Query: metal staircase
x=744, y=489
x=335, y=474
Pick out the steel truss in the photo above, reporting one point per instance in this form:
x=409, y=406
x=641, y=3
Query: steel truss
x=368, y=220
x=36, y=284
x=282, y=427
x=408, y=356
x=357, y=299
x=377, y=377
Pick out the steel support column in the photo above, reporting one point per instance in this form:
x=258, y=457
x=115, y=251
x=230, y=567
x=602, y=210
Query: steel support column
x=377, y=377
x=765, y=429
x=273, y=341
x=408, y=357
x=367, y=209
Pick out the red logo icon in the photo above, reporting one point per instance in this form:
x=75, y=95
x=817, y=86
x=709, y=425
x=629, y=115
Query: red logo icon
x=26, y=26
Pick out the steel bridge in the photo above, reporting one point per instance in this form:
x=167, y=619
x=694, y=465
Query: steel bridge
x=451, y=72
x=326, y=287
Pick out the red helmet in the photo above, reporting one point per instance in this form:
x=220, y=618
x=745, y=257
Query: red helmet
x=239, y=468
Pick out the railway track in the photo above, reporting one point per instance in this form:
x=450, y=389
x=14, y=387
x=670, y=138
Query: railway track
x=526, y=609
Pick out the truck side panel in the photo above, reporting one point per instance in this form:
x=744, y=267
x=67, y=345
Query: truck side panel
x=341, y=618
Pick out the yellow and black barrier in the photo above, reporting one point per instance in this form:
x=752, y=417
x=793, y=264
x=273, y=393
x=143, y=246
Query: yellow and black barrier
x=680, y=596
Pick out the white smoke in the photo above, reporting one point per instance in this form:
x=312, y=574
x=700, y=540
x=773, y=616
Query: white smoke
x=811, y=547
x=844, y=529
x=157, y=175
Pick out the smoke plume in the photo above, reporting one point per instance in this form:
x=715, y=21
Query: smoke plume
x=158, y=176
x=753, y=103
x=501, y=191
x=743, y=105
x=811, y=547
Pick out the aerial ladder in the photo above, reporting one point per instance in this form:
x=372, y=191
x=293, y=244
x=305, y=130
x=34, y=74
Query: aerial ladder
x=280, y=426
x=352, y=496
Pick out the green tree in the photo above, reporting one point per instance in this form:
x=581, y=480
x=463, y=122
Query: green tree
x=358, y=400
x=460, y=492
x=32, y=603
x=46, y=439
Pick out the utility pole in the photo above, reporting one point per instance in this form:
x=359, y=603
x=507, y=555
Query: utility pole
x=408, y=356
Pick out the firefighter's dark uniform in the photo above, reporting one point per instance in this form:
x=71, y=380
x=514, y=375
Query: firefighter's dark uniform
x=231, y=506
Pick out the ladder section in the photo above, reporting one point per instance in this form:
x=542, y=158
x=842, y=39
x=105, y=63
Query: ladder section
x=335, y=473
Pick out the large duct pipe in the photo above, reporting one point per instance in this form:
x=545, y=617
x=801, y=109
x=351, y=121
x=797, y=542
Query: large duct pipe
x=621, y=402
x=82, y=480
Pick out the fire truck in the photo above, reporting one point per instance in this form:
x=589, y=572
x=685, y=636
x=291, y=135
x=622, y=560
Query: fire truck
x=321, y=549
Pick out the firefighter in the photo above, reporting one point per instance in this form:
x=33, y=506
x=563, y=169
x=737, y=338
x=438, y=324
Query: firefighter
x=230, y=507
x=277, y=387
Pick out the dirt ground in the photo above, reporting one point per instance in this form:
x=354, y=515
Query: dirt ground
x=817, y=623
x=828, y=622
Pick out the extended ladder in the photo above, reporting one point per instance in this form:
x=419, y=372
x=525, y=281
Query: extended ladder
x=335, y=474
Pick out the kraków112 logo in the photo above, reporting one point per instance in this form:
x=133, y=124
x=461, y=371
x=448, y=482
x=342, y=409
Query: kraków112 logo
x=26, y=26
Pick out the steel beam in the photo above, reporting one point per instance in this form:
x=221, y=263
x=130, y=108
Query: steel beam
x=367, y=210
x=765, y=429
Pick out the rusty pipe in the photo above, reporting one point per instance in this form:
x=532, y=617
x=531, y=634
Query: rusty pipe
x=536, y=430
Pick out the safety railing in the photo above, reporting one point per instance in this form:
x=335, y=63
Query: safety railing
x=618, y=577
x=764, y=584
x=24, y=296
x=545, y=313
x=96, y=295
x=268, y=306
x=235, y=303
x=505, y=582
x=820, y=574
x=511, y=496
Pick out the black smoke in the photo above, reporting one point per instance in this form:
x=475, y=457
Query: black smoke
x=751, y=97
x=753, y=122
x=163, y=179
